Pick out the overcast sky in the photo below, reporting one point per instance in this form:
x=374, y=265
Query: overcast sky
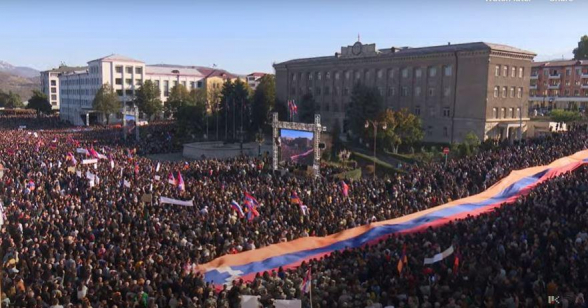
x=247, y=36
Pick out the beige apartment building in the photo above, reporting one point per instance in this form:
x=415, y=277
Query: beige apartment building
x=455, y=88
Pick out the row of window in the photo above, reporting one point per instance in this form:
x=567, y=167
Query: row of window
x=119, y=81
x=405, y=72
x=505, y=71
x=430, y=131
x=504, y=115
x=555, y=72
x=556, y=92
x=74, y=101
x=405, y=91
x=128, y=69
x=433, y=111
x=94, y=69
x=80, y=81
x=79, y=92
x=503, y=93
x=557, y=83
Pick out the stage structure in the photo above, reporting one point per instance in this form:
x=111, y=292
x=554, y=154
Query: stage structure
x=316, y=128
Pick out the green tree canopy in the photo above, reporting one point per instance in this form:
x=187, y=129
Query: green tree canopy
x=147, y=99
x=106, y=101
x=581, y=53
x=39, y=102
x=307, y=107
x=402, y=127
x=264, y=99
x=178, y=97
x=559, y=115
x=3, y=98
x=13, y=100
x=366, y=104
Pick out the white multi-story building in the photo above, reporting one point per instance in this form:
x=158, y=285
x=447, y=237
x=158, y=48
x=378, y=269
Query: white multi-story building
x=253, y=80
x=79, y=87
x=50, y=83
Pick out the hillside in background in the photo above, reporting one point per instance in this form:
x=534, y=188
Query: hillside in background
x=20, y=85
x=19, y=79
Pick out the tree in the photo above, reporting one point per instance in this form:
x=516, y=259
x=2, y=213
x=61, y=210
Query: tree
x=190, y=118
x=402, y=127
x=581, y=53
x=559, y=115
x=470, y=144
x=106, y=102
x=281, y=109
x=178, y=97
x=307, y=108
x=264, y=99
x=39, y=102
x=3, y=98
x=147, y=99
x=13, y=100
x=366, y=104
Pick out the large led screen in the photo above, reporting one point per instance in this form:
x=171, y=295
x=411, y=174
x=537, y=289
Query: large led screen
x=297, y=146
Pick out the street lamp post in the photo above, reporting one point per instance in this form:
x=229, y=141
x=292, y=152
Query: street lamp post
x=375, y=124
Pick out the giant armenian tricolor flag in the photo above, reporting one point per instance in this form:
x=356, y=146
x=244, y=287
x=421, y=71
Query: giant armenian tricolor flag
x=290, y=254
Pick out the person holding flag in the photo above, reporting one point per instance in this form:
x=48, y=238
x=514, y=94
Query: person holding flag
x=251, y=199
x=235, y=206
x=294, y=198
x=251, y=210
x=344, y=189
x=181, y=185
x=171, y=179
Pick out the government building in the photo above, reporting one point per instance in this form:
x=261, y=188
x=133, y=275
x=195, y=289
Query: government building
x=72, y=89
x=454, y=88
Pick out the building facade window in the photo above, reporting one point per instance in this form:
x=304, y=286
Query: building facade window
x=118, y=81
x=497, y=71
x=328, y=75
x=503, y=113
x=138, y=70
x=319, y=76
x=520, y=93
x=417, y=91
x=431, y=92
x=445, y=134
x=405, y=73
x=347, y=74
x=418, y=72
x=496, y=90
x=513, y=72
x=417, y=110
x=391, y=91
x=357, y=75
x=129, y=69
x=568, y=71
x=504, y=92
x=446, y=112
x=447, y=70
x=512, y=92
x=129, y=81
x=336, y=75
x=521, y=72
x=505, y=71
x=390, y=73
x=494, y=113
x=404, y=91
x=380, y=74
x=432, y=71
x=510, y=113
x=447, y=91
x=118, y=69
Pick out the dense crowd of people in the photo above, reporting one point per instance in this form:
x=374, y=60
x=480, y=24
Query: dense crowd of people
x=70, y=240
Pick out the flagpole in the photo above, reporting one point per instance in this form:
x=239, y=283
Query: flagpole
x=310, y=291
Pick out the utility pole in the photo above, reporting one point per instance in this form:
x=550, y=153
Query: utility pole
x=375, y=125
x=124, y=127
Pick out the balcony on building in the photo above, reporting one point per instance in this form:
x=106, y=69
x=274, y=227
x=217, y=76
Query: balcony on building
x=554, y=76
x=534, y=76
x=585, y=86
x=533, y=87
x=553, y=86
x=584, y=75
